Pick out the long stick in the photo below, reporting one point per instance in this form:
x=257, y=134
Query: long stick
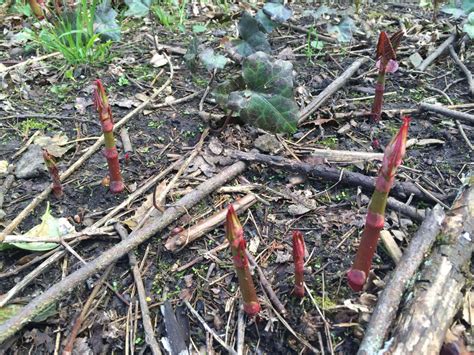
x=436, y=299
x=464, y=69
x=401, y=189
x=331, y=89
x=392, y=294
x=136, y=238
x=92, y=149
x=442, y=110
x=436, y=53
x=149, y=332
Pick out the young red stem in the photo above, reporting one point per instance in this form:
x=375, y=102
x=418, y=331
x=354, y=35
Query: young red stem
x=298, y=259
x=374, y=223
x=37, y=9
x=235, y=236
x=378, y=99
x=105, y=115
x=54, y=173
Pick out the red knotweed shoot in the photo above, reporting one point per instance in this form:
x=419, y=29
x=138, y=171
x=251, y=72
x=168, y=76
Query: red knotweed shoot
x=37, y=7
x=105, y=115
x=235, y=235
x=374, y=222
x=386, y=62
x=54, y=173
x=298, y=259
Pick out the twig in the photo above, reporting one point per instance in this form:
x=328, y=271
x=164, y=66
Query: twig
x=78, y=323
x=92, y=149
x=437, y=52
x=266, y=285
x=27, y=144
x=306, y=31
x=447, y=112
x=434, y=302
x=179, y=241
x=147, y=325
x=199, y=259
x=4, y=299
x=466, y=71
x=179, y=101
x=209, y=329
x=463, y=134
x=307, y=111
x=126, y=142
x=29, y=61
x=137, y=237
x=392, y=294
x=401, y=189
x=397, y=206
x=88, y=232
x=401, y=111
x=346, y=156
x=292, y=331
x=240, y=331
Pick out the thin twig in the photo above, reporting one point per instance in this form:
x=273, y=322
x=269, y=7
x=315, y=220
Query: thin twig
x=463, y=134
x=149, y=332
x=82, y=316
x=209, y=329
x=464, y=69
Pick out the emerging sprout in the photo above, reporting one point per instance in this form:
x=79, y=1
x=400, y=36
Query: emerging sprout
x=375, y=219
x=105, y=115
x=235, y=235
x=386, y=63
x=54, y=173
x=298, y=259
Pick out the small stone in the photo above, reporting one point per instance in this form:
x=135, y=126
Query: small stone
x=88, y=222
x=267, y=143
x=31, y=163
x=2, y=214
x=3, y=168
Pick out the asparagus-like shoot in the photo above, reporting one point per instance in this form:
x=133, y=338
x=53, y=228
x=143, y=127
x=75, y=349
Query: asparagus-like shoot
x=37, y=8
x=105, y=115
x=235, y=236
x=374, y=222
x=54, y=173
x=298, y=259
x=386, y=63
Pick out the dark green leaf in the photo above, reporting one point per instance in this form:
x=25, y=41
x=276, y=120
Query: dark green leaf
x=105, y=22
x=268, y=101
x=322, y=10
x=277, y=12
x=253, y=40
x=192, y=53
x=344, y=30
x=222, y=91
x=211, y=60
x=469, y=26
x=264, y=22
x=138, y=8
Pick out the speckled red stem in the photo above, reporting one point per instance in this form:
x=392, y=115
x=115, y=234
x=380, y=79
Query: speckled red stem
x=110, y=151
x=235, y=236
x=298, y=259
x=374, y=222
x=54, y=173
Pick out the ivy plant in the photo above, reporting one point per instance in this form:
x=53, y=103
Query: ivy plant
x=263, y=95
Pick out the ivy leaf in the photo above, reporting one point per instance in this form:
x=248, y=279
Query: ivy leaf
x=322, y=10
x=469, y=26
x=277, y=12
x=105, y=22
x=222, y=91
x=192, y=53
x=344, y=30
x=268, y=100
x=253, y=40
x=264, y=22
x=138, y=8
x=211, y=60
